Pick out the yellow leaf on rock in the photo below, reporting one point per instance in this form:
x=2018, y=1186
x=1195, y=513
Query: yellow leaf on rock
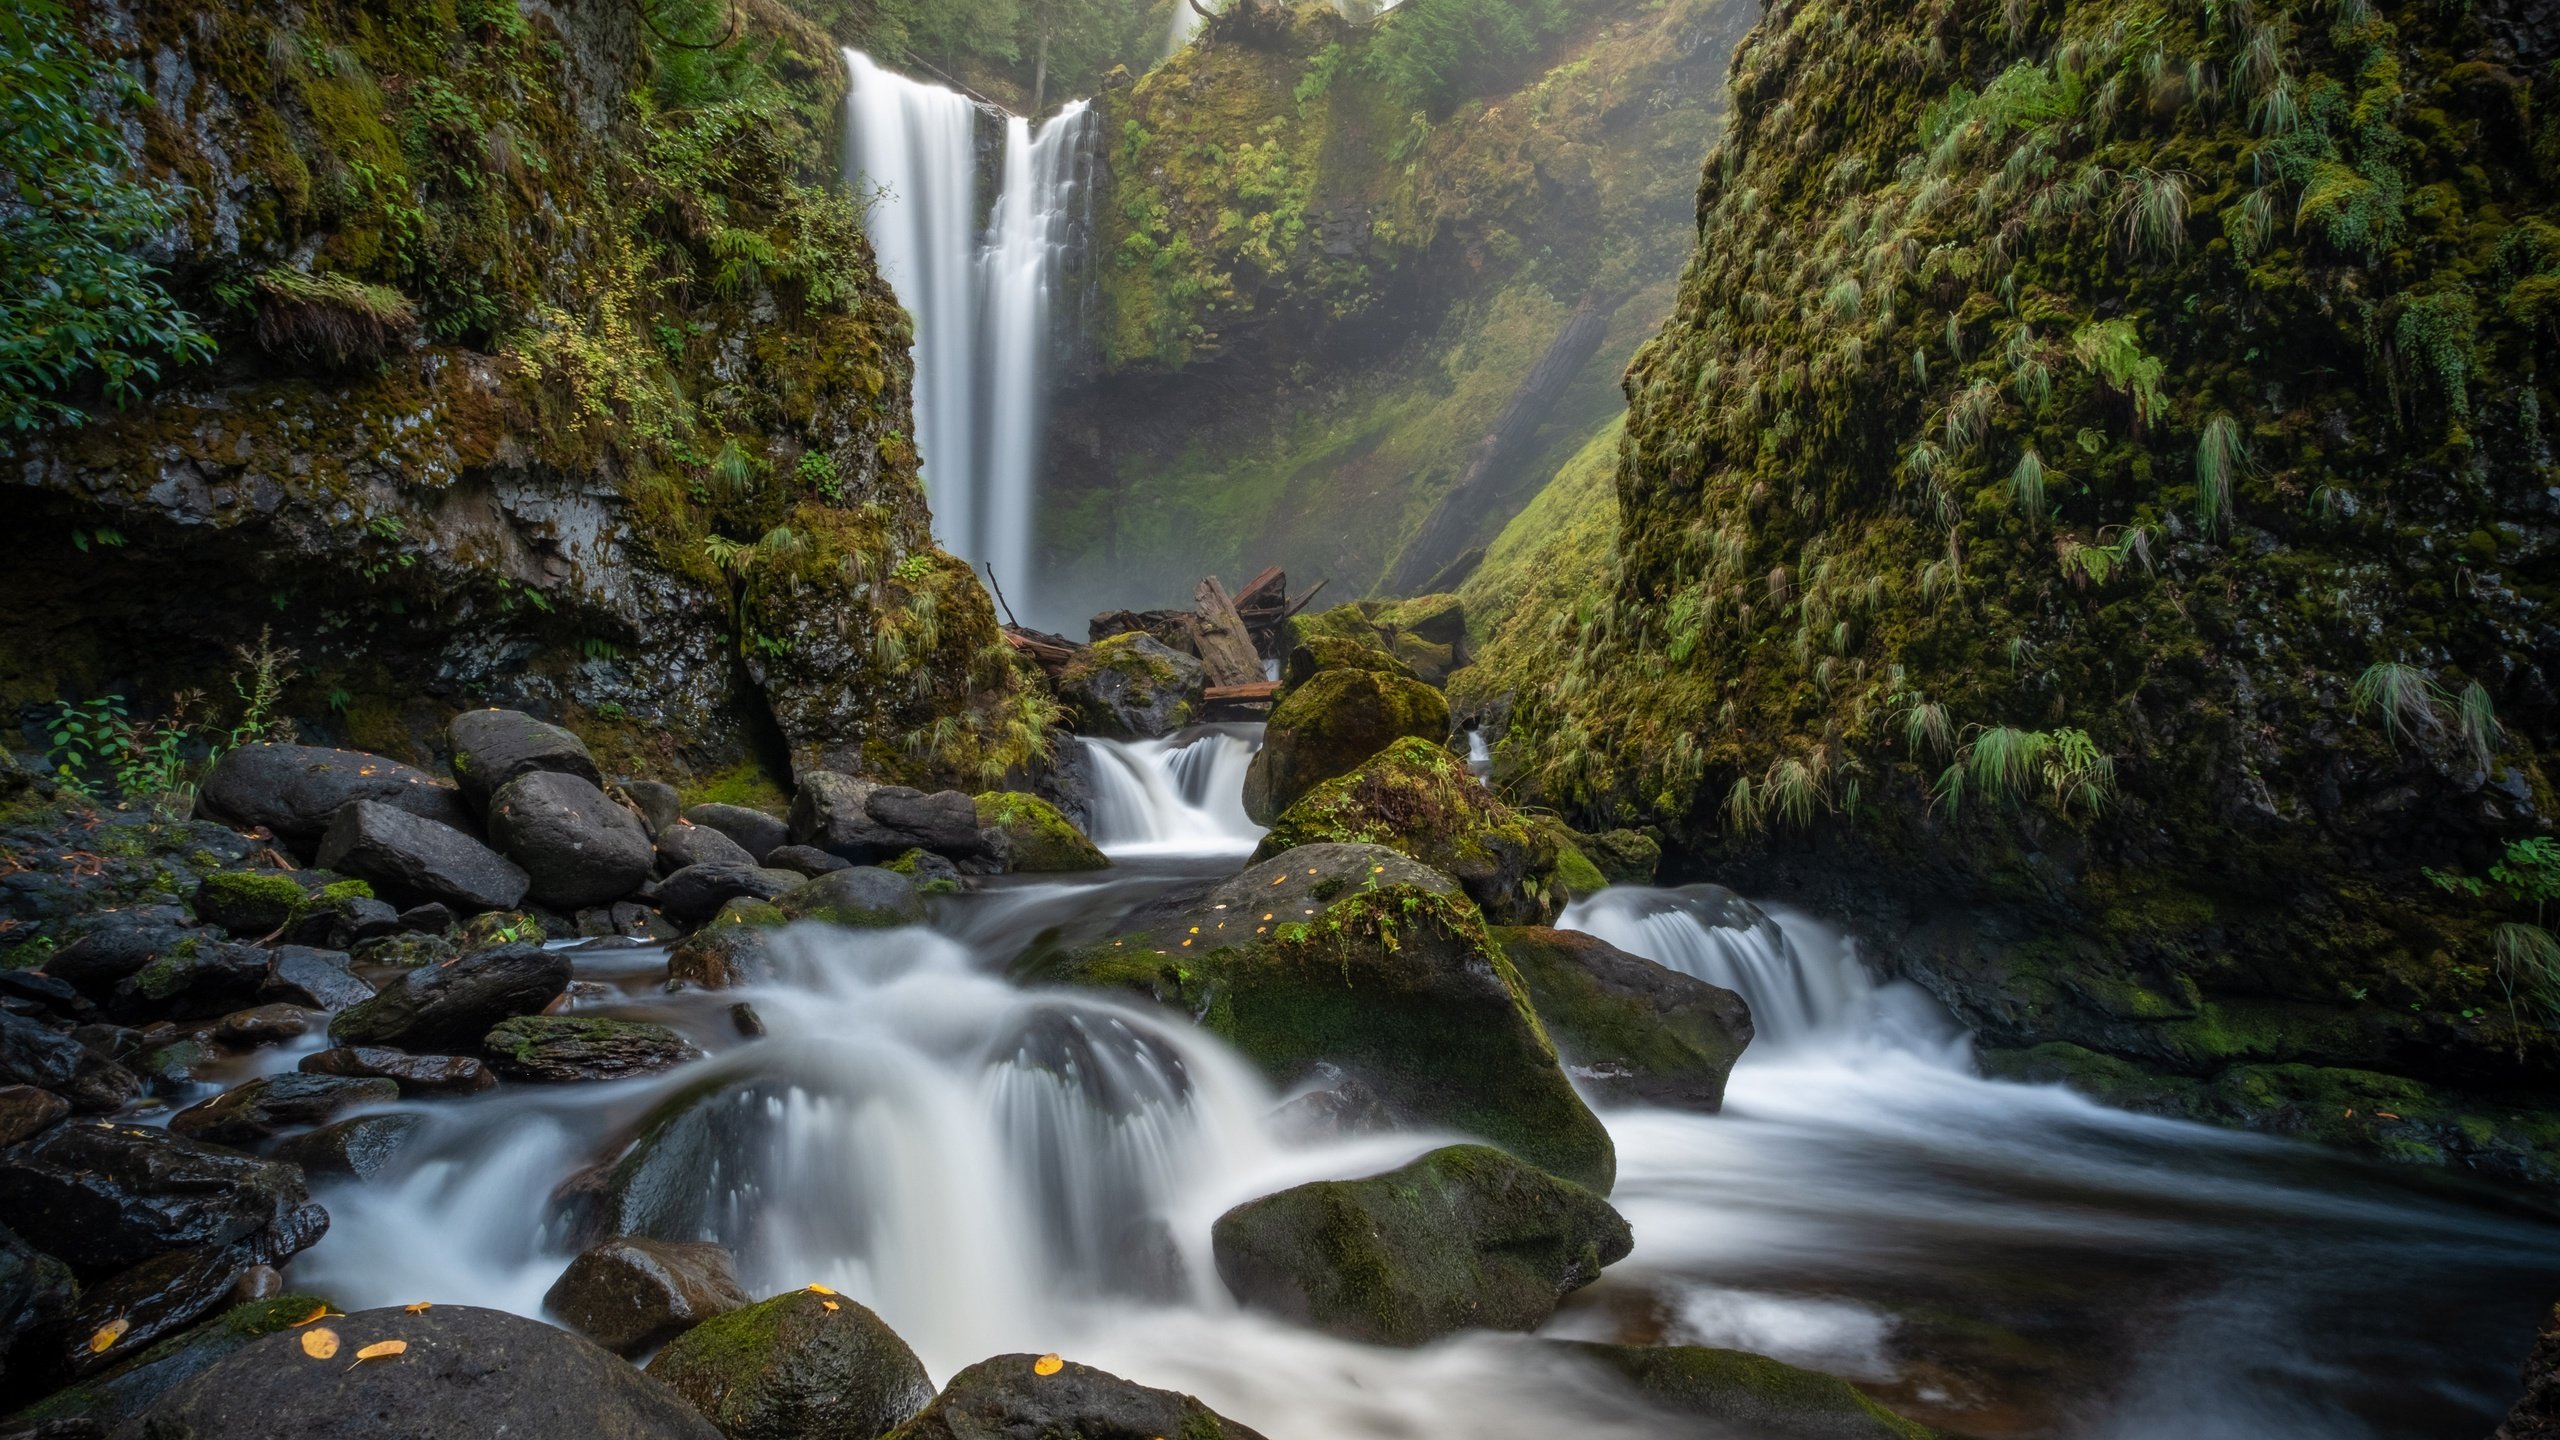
x=108, y=1334
x=418, y=1307
x=820, y=1290
x=320, y=1343
x=832, y=1307
x=322, y=1313
x=1048, y=1365
x=381, y=1349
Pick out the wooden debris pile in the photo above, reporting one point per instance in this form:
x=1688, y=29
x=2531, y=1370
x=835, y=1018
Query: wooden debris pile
x=1232, y=635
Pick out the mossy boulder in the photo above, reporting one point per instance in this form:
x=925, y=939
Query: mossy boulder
x=1416, y=797
x=583, y=1047
x=864, y=896
x=722, y=957
x=115, y=1397
x=248, y=902
x=1630, y=1031
x=810, y=1362
x=1465, y=1238
x=1329, y=725
x=1750, y=1394
x=1038, y=838
x=1342, y=622
x=1041, y=1397
x=629, y=1294
x=1316, y=654
x=1131, y=687
x=1435, y=619
x=1625, y=857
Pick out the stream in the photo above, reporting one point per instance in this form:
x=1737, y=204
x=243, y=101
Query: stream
x=995, y=1169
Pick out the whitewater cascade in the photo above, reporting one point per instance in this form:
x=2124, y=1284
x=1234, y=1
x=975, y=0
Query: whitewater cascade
x=982, y=297
x=1182, y=795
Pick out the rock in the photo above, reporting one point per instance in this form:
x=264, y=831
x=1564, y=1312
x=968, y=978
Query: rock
x=411, y=861
x=806, y=860
x=492, y=747
x=317, y=979
x=685, y=843
x=512, y=927
x=1331, y=724
x=630, y=1295
x=360, y=1147
x=1433, y=619
x=456, y=1074
x=944, y=822
x=756, y=832
x=258, y=1110
x=1007, y=1398
x=799, y=1364
x=1416, y=797
x=722, y=957
x=26, y=1110
x=865, y=823
x=432, y=918
x=338, y=914
x=696, y=892
x=659, y=803
x=1318, y=653
x=408, y=950
x=579, y=847
x=450, y=1006
x=464, y=1371
x=2537, y=1415
x=248, y=902
x=1346, y=1106
x=932, y=874
x=1131, y=687
x=262, y=1025
x=579, y=1047
x=1038, y=840
x=1373, y=964
x=36, y=1291
x=156, y=1299
x=744, y=911
x=142, y=969
x=1464, y=1238
x=1625, y=857
x=1631, y=1031
x=630, y=920
x=864, y=895
x=295, y=790
x=113, y=1399
x=106, y=1197
x=1744, y=1394
x=32, y=1055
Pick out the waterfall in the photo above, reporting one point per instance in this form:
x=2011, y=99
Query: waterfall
x=1176, y=796
x=981, y=298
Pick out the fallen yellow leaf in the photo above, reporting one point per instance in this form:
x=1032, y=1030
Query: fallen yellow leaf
x=108, y=1334
x=820, y=1290
x=832, y=1307
x=418, y=1307
x=320, y=1314
x=381, y=1349
x=1048, y=1364
x=320, y=1343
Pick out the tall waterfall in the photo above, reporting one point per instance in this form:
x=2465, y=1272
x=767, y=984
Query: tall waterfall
x=981, y=296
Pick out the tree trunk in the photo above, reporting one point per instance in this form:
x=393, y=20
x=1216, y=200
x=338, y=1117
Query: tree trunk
x=1040, y=70
x=1226, y=647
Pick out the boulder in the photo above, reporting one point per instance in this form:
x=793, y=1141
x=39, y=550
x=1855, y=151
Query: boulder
x=359, y=1148
x=451, y=1005
x=116, y=1397
x=492, y=747
x=34, y=1055
x=1328, y=726
x=257, y=1110
x=756, y=832
x=810, y=1362
x=944, y=822
x=583, y=1047
x=1733, y=1392
x=412, y=861
x=153, y=971
x=248, y=902
x=338, y=915
x=932, y=874
x=316, y=979
x=1416, y=797
x=685, y=843
x=1037, y=839
x=105, y=1197
x=1465, y=1238
x=1131, y=687
x=414, y=1074
x=806, y=860
x=1625, y=857
x=153, y=1300
x=659, y=803
x=36, y=1291
x=630, y=1295
x=696, y=892
x=26, y=1110
x=578, y=847
x=866, y=822
x=1034, y=1397
x=117, y=948
x=268, y=1024
x=1631, y=1031
x=1434, y=619
x=432, y=918
x=295, y=790
x=461, y=1371
x=864, y=895
x=721, y=957
x=1318, y=653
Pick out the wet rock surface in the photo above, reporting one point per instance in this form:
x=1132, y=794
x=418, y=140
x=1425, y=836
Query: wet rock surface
x=1132, y=687
x=685, y=843
x=808, y=1362
x=630, y=1295
x=1748, y=1394
x=296, y=790
x=492, y=747
x=105, y=1197
x=450, y=1005
x=723, y=957
x=1009, y=1396
x=414, y=861
x=460, y=1074
x=555, y=1048
x=252, y=1113
x=1630, y=1031
x=361, y=1147
x=696, y=893
x=753, y=831
x=578, y=847
x=862, y=896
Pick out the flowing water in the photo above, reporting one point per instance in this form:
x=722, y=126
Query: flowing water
x=996, y=1168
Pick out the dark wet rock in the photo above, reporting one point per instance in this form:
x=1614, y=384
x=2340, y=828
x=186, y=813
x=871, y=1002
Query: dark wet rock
x=2537, y=1415
x=1329, y=726
x=33, y=1054
x=294, y=790
x=1345, y=1106
x=168, y=1066
x=1131, y=687
x=659, y=803
x=432, y=918
x=1623, y=857
x=755, y=832
x=1465, y=1238
x=197, y=976
x=119, y=947
x=579, y=1047
x=1631, y=1031
x=411, y=861
x=579, y=847
x=318, y=979
x=106, y=1197
x=800, y=1364
x=338, y=915
x=464, y=1371
x=685, y=843
x=865, y=822
x=629, y=920
x=721, y=957
x=112, y=1399
x=26, y=1110
x=361, y=1146
x=492, y=747
x=1745, y=1394
x=933, y=874
x=449, y=1006
x=249, y=902
x=696, y=893
x=630, y=1295
x=37, y=990
x=864, y=895
x=415, y=1074
x=36, y=1291
x=257, y=1110
x=1036, y=838
x=155, y=1299
x=262, y=1025
x=1007, y=1397
x=806, y=860
x=944, y=822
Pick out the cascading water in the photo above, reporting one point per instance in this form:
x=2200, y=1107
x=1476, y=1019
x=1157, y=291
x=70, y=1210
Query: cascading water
x=1183, y=795
x=1802, y=978
x=981, y=298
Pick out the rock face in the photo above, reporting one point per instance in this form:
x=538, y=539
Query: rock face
x=1739, y=1393
x=1008, y=1397
x=1464, y=1238
x=799, y=1364
x=2537, y=1415
x=1631, y=1031
x=1037, y=839
x=1329, y=725
x=106, y=1197
x=864, y=895
x=295, y=790
x=1131, y=687
x=451, y=1005
x=754, y=831
x=492, y=747
x=463, y=1371
x=413, y=861
x=866, y=822
x=578, y=847
x=630, y=1295
x=577, y=1047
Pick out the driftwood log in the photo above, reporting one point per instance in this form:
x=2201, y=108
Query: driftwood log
x=1226, y=644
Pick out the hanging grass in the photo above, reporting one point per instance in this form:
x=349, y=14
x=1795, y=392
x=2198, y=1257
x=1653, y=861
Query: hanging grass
x=2477, y=718
x=2151, y=212
x=2220, y=456
x=2402, y=693
x=2027, y=483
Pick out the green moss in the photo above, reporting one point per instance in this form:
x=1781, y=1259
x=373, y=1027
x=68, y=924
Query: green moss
x=250, y=899
x=1416, y=797
x=1043, y=840
x=1752, y=1392
x=741, y=910
x=746, y=783
x=1329, y=725
x=124, y=1391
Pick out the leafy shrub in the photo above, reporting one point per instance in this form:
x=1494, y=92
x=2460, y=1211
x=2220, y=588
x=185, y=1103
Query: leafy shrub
x=1434, y=53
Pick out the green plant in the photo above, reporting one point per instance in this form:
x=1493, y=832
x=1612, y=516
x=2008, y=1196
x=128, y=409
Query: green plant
x=2403, y=693
x=2524, y=953
x=2151, y=211
x=2220, y=455
x=2026, y=483
x=2477, y=717
x=2004, y=765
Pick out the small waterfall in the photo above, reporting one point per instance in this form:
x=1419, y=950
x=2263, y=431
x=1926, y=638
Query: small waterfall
x=1802, y=978
x=1183, y=795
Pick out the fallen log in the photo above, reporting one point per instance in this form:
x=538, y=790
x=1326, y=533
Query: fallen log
x=1226, y=643
x=1052, y=653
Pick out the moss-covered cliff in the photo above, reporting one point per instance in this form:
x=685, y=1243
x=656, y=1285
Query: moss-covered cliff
x=2090, y=518
x=553, y=369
